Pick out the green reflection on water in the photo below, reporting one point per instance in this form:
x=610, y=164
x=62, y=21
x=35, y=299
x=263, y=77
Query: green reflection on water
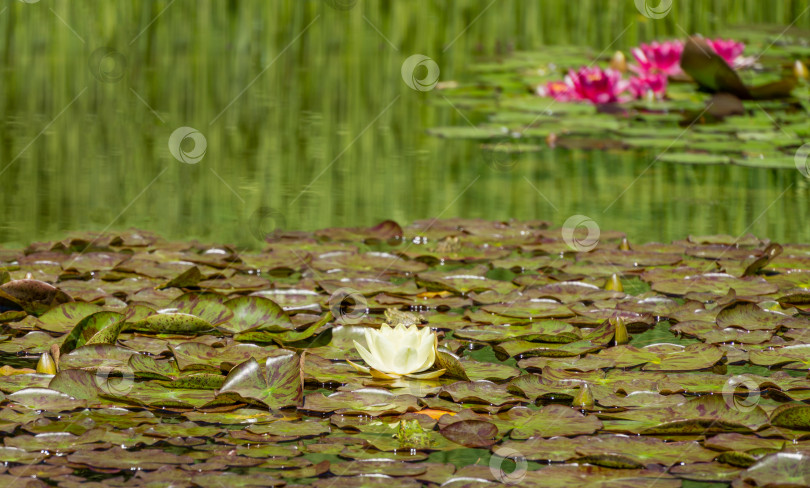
x=306, y=116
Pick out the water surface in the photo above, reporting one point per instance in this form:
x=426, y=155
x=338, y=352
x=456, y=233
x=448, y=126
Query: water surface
x=309, y=124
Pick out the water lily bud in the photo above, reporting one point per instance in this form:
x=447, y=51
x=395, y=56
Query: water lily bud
x=618, y=62
x=800, y=70
x=584, y=398
x=46, y=364
x=620, y=336
x=625, y=245
x=614, y=283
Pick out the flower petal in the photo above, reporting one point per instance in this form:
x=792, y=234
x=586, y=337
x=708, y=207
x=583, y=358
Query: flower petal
x=366, y=355
x=426, y=376
x=362, y=369
x=427, y=350
x=383, y=376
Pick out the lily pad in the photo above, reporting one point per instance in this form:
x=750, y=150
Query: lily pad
x=278, y=384
x=172, y=323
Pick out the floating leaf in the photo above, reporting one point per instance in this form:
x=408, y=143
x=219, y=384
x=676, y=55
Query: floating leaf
x=33, y=296
x=792, y=416
x=98, y=328
x=190, y=277
x=450, y=363
x=64, y=317
x=550, y=421
x=172, y=323
x=471, y=433
x=704, y=65
x=277, y=384
x=45, y=399
x=256, y=313
x=780, y=469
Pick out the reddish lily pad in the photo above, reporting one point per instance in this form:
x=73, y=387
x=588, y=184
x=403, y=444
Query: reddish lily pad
x=471, y=433
x=33, y=296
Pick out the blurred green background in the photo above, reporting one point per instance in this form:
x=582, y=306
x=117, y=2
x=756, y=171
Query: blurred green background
x=309, y=124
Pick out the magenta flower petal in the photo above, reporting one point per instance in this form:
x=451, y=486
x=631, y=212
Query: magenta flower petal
x=663, y=57
x=596, y=84
x=655, y=83
x=728, y=49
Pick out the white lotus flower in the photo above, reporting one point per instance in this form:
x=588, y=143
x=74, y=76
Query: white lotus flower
x=398, y=351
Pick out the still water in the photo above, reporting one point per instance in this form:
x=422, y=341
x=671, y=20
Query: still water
x=302, y=120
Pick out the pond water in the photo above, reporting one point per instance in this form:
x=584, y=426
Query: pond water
x=308, y=123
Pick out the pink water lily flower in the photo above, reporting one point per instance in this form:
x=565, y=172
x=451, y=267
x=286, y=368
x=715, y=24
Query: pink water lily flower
x=658, y=57
x=596, y=84
x=641, y=86
x=728, y=49
x=562, y=91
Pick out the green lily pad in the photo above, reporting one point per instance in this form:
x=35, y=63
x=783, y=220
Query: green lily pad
x=694, y=158
x=550, y=421
x=256, y=313
x=792, y=416
x=277, y=385
x=98, y=328
x=172, y=323
x=64, y=317
x=748, y=316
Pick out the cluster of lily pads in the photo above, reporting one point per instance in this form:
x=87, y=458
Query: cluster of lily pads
x=696, y=101
x=484, y=353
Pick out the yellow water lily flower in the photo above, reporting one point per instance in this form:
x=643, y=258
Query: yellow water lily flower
x=398, y=351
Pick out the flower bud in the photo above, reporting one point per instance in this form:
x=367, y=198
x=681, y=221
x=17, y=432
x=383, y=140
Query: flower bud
x=618, y=62
x=584, y=398
x=614, y=283
x=620, y=335
x=800, y=70
x=46, y=364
